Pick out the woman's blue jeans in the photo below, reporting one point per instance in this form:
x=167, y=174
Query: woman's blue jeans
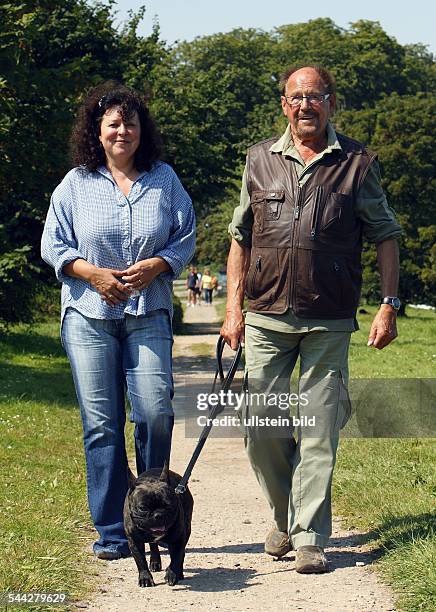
x=108, y=358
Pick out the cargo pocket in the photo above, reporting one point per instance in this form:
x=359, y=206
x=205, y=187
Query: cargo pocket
x=344, y=403
x=242, y=412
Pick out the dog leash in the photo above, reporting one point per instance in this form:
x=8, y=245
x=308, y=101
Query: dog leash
x=225, y=382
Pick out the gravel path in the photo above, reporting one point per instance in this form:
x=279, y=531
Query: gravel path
x=226, y=568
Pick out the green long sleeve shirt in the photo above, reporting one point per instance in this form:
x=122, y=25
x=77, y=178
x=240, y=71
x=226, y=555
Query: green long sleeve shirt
x=378, y=221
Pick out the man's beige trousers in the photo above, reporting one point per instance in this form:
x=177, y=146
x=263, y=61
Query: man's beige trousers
x=294, y=460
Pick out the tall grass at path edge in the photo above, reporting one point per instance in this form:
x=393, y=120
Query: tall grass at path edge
x=385, y=487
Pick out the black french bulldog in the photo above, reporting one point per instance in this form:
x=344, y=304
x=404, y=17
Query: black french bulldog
x=154, y=513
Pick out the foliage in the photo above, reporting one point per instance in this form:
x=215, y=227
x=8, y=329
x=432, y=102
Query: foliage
x=400, y=129
x=212, y=98
x=213, y=239
x=208, y=98
x=16, y=285
x=51, y=54
x=367, y=63
x=177, y=315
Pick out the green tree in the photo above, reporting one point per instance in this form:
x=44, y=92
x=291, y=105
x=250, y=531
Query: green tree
x=213, y=239
x=366, y=61
x=51, y=54
x=399, y=129
x=210, y=100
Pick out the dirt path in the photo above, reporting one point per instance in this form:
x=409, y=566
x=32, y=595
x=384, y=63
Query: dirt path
x=226, y=568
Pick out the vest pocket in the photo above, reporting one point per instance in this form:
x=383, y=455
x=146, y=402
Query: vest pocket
x=324, y=286
x=316, y=211
x=263, y=275
x=337, y=214
x=267, y=207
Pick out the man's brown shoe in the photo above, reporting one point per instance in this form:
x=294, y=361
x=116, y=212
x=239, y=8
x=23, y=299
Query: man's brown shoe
x=311, y=560
x=277, y=543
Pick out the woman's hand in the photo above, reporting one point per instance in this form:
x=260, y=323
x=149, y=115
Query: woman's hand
x=111, y=290
x=104, y=280
x=140, y=275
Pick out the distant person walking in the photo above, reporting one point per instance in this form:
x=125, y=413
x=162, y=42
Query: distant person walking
x=198, y=289
x=119, y=229
x=191, y=285
x=206, y=286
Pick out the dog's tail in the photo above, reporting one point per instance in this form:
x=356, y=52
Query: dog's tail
x=131, y=478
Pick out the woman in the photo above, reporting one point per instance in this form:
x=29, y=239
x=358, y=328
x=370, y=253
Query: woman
x=206, y=286
x=119, y=229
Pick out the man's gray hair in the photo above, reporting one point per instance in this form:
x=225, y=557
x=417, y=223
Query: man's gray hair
x=325, y=75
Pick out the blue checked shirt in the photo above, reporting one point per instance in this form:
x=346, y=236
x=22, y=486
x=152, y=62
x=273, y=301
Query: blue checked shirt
x=90, y=218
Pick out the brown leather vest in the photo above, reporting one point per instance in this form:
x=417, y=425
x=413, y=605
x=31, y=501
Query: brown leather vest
x=306, y=241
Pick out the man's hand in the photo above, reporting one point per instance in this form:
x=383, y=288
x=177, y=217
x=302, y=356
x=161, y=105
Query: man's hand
x=139, y=275
x=238, y=263
x=233, y=328
x=383, y=328
x=111, y=290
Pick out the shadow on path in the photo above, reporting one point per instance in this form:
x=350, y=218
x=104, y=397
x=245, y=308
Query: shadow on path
x=337, y=552
x=200, y=328
x=190, y=364
x=218, y=579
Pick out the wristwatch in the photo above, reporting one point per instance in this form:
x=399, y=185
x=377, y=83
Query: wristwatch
x=392, y=301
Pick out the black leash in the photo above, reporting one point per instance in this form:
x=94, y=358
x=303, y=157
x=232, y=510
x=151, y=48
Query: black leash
x=225, y=382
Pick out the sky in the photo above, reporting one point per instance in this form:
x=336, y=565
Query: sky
x=409, y=22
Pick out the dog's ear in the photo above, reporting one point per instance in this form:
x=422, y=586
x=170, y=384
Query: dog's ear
x=164, y=476
x=131, y=479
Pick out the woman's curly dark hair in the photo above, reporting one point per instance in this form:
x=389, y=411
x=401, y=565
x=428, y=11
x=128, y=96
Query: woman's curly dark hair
x=86, y=148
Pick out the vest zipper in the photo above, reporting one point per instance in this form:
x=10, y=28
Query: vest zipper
x=315, y=213
x=257, y=268
x=293, y=250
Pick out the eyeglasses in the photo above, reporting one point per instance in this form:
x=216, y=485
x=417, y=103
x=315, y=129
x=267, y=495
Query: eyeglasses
x=313, y=99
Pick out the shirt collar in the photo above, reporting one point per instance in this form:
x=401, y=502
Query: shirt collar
x=285, y=144
x=105, y=172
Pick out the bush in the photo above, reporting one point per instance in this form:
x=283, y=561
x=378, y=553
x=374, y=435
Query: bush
x=17, y=286
x=178, y=315
x=47, y=304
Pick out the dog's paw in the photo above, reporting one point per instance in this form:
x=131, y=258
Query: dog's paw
x=171, y=577
x=146, y=580
x=155, y=565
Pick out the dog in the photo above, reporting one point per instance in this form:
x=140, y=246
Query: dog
x=154, y=513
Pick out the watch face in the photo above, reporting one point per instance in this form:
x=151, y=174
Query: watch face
x=392, y=301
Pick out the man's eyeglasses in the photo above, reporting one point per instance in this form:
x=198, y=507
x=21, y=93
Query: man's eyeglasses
x=313, y=99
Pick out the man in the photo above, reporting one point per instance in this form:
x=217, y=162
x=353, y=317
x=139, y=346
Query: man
x=306, y=200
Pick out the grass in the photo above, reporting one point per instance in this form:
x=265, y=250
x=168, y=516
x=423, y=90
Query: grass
x=386, y=487
x=411, y=355
x=44, y=519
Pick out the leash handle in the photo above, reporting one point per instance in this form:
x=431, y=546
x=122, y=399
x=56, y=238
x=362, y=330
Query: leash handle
x=225, y=383
x=225, y=379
